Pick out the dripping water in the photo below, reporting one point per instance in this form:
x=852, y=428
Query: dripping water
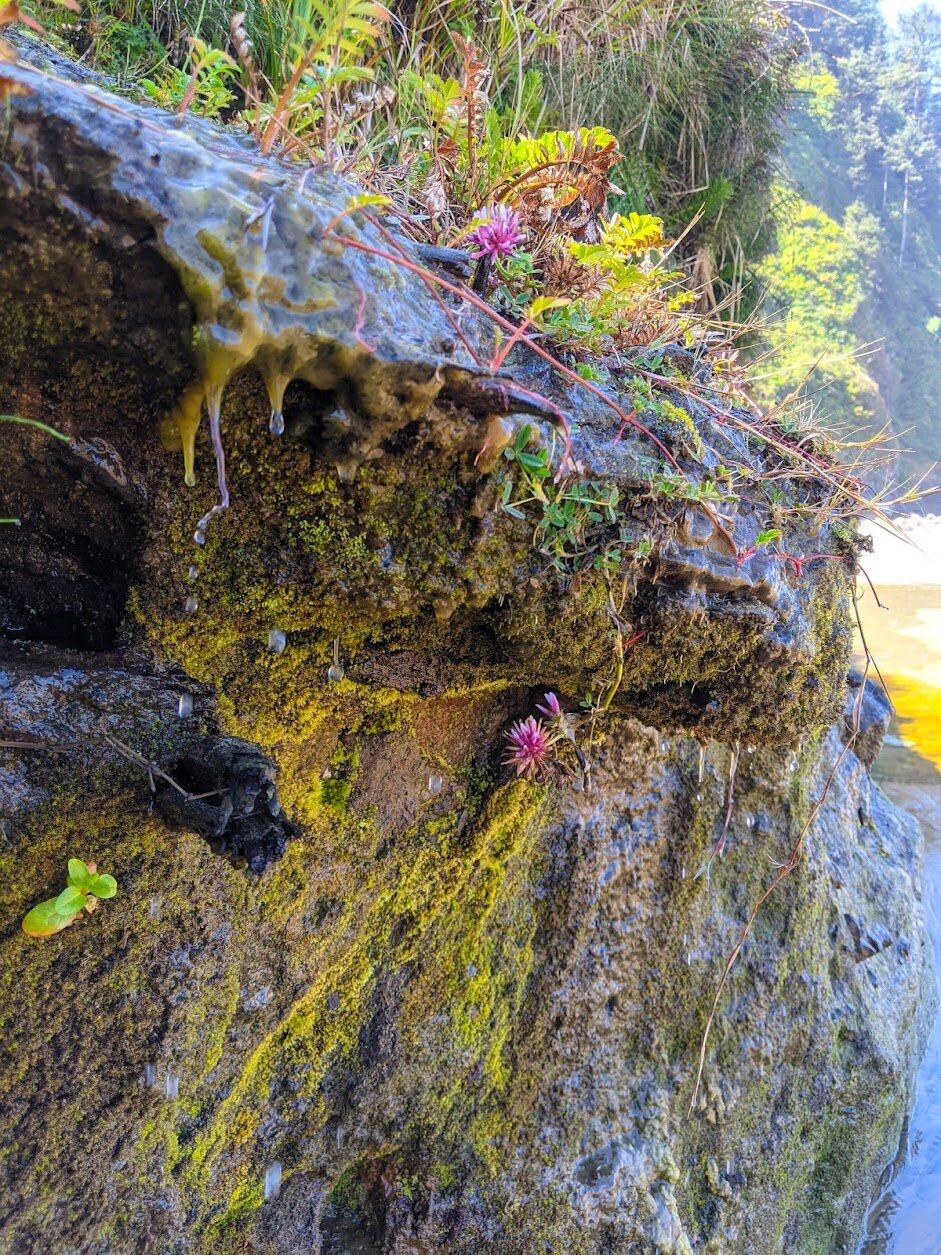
x=214, y=406
x=336, y=671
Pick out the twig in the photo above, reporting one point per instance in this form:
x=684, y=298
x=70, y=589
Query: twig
x=65, y=747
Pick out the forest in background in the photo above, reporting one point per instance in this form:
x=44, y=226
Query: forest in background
x=858, y=225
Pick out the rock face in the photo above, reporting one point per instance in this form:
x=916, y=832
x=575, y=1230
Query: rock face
x=360, y=990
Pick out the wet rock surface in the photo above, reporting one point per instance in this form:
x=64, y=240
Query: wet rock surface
x=454, y=1012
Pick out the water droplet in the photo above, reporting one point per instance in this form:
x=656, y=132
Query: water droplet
x=276, y=423
x=336, y=671
x=154, y=909
x=471, y=971
x=682, y=873
x=184, y=707
x=192, y=573
x=749, y=821
x=698, y=797
x=793, y=766
x=435, y=784
x=333, y=1002
x=664, y=747
x=273, y=1180
x=277, y=641
x=749, y=749
x=702, y=763
x=689, y=960
x=199, y=536
x=189, y=479
x=444, y=608
x=173, y=1086
x=191, y=605
x=150, y=1074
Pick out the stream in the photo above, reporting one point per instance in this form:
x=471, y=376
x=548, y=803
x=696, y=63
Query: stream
x=905, y=640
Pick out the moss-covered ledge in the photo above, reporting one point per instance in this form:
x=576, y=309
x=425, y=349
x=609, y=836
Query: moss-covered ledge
x=460, y=1011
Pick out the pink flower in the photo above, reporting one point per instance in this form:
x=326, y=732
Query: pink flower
x=530, y=742
x=552, y=709
x=496, y=232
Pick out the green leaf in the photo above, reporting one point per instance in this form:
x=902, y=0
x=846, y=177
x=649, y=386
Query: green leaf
x=45, y=920
x=70, y=900
x=79, y=875
x=103, y=886
x=765, y=538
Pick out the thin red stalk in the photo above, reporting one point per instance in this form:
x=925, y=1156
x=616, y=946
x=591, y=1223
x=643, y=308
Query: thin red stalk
x=437, y=297
x=473, y=299
x=357, y=329
x=503, y=353
x=723, y=416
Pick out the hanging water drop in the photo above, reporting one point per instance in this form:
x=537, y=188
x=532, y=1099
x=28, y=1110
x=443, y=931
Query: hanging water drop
x=192, y=573
x=336, y=671
x=191, y=605
x=702, y=764
x=273, y=1180
x=276, y=423
x=664, y=747
x=749, y=821
x=214, y=405
x=277, y=641
x=184, y=707
x=173, y=1086
x=435, y=784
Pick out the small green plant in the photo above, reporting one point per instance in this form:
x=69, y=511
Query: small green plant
x=84, y=889
x=28, y=422
x=207, y=86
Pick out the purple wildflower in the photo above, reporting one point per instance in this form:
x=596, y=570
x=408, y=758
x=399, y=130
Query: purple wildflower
x=530, y=742
x=496, y=232
x=552, y=709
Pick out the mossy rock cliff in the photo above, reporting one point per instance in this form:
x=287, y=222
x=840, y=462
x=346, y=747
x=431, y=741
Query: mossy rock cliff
x=403, y=1002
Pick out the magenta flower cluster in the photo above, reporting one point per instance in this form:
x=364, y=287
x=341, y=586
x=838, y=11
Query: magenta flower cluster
x=531, y=740
x=496, y=232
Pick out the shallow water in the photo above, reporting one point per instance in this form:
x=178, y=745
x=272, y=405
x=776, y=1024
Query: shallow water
x=905, y=639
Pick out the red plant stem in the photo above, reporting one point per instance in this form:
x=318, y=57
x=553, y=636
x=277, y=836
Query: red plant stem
x=357, y=330
x=722, y=416
x=623, y=426
x=503, y=353
x=434, y=293
x=471, y=297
